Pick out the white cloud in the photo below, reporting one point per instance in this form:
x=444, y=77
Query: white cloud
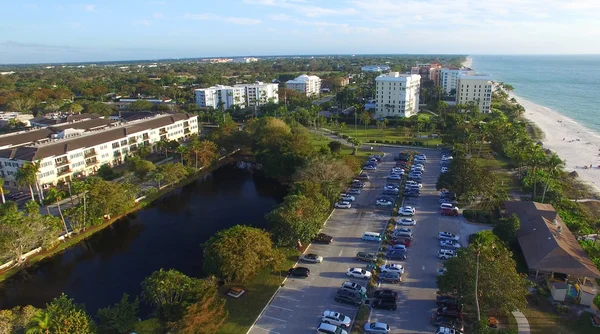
x=215, y=17
x=158, y=15
x=303, y=8
x=88, y=7
x=140, y=22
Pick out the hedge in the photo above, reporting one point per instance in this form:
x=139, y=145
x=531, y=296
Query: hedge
x=478, y=216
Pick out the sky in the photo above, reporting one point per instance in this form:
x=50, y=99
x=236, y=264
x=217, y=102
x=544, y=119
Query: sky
x=78, y=31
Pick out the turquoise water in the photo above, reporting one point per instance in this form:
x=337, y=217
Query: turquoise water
x=567, y=84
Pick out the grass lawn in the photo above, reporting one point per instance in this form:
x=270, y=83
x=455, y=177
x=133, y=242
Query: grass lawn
x=389, y=134
x=318, y=141
x=243, y=311
x=543, y=319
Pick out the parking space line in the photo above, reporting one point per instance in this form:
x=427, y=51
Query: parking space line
x=266, y=316
x=266, y=330
x=294, y=289
x=346, y=308
x=283, y=308
x=296, y=300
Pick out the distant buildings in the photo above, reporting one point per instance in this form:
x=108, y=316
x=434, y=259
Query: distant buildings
x=82, y=153
x=14, y=118
x=307, y=84
x=245, y=60
x=448, y=79
x=425, y=71
x=397, y=94
x=241, y=95
x=123, y=104
x=475, y=88
x=375, y=68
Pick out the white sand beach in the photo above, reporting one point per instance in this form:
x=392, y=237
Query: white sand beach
x=468, y=62
x=574, y=143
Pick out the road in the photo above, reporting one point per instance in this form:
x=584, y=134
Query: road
x=297, y=306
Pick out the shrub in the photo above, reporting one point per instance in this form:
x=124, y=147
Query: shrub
x=398, y=142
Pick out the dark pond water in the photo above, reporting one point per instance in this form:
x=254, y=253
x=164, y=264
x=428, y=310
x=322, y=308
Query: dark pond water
x=168, y=234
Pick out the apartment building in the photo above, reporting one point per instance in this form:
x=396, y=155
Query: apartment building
x=475, y=88
x=215, y=96
x=260, y=93
x=449, y=78
x=397, y=94
x=375, y=68
x=64, y=159
x=306, y=84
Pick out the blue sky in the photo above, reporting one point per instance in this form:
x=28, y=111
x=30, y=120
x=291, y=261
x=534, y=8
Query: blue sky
x=65, y=31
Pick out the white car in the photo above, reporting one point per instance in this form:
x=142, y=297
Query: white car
x=414, y=183
x=406, y=222
x=406, y=211
x=392, y=267
x=421, y=157
x=418, y=167
x=377, y=328
x=448, y=236
x=369, y=167
x=336, y=318
x=394, y=177
x=447, y=157
x=397, y=170
x=358, y=273
x=441, y=271
x=444, y=170
x=384, y=202
x=391, y=186
x=449, y=244
x=325, y=328
x=311, y=258
x=343, y=205
x=348, y=198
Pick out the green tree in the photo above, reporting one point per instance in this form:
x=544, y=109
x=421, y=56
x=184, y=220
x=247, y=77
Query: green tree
x=172, y=172
x=334, y=146
x=467, y=179
x=181, y=150
x=74, y=108
x=39, y=323
x=365, y=118
x=64, y=317
x=140, y=168
x=553, y=166
x=332, y=174
x=110, y=198
x=203, y=153
x=141, y=105
x=120, y=318
x=170, y=292
x=22, y=105
x=27, y=176
x=207, y=314
x=225, y=251
x=536, y=159
x=55, y=196
x=497, y=270
x=106, y=173
x=506, y=229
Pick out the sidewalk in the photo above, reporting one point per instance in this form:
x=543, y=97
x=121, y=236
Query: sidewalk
x=522, y=322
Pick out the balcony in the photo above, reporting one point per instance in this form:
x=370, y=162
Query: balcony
x=117, y=154
x=91, y=162
x=61, y=162
x=164, y=137
x=145, y=136
x=186, y=131
x=133, y=148
x=63, y=171
x=186, y=124
x=132, y=140
x=89, y=153
x=162, y=131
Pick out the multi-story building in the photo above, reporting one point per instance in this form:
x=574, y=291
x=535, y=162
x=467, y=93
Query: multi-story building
x=449, y=79
x=375, y=68
x=61, y=160
x=245, y=60
x=260, y=93
x=475, y=88
x=215, y=96
x=397, y=94
x=307, y=84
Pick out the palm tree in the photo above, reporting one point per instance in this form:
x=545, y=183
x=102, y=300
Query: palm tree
x=536, y=159
x=2, y=191
x=365, y=118
x=27, y=175
x=181, y=150
x=39, y=323
x=55, y=195
x=553, y=164
x=158, y=177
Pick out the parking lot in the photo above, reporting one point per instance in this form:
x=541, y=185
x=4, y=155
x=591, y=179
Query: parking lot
x=299, y=304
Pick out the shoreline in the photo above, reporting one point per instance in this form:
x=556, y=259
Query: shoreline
x=468, y=62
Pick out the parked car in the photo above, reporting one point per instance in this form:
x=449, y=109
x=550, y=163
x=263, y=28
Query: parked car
x=383, y=202
x=369, y=167
x=353, y=191
x=397, y=254
x=392, y=267
x=449, y=244
x=400, y=241
x=377, y=328
x=311, y=258
x=358, y=273
x=299, y=272
x=343, y=205
x=323, y=238
x=404, y=211
x=395, y=177
x=447, y=205
x=410, y=183
x=447, y=330
x=448, y=236
x=449, y=212
x=406, y=221
x=386, y=198
x=349, y=297
x=445, y=254
x=351, y=286
x=366, y=256
x=385, y=294
x=441, y=320
x=411, y=193
x=348, y=198
x=362, y=176
x=358, y=184
x=326, y=328
x=440, y=271
x=336, y=318
x=403, y=229
x=391, y=192
x=385, y=304
x=399, y=246
x=391, y=188
x=450, y=312
x=445, y=299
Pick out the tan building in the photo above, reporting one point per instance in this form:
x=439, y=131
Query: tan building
x=397, y=94
x=475, y=88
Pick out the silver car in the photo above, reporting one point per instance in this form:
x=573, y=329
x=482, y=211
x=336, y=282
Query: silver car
x=311, y=258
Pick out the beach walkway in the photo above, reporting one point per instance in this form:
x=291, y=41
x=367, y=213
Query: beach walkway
x=522, y=322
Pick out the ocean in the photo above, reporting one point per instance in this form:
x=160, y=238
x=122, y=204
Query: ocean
x=568, y=84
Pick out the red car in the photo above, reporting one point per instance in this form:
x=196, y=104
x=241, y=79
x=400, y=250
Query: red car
x=449, y=212
x=405, y=242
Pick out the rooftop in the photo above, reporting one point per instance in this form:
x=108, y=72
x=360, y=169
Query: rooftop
x=304, y=78
x=547, y=243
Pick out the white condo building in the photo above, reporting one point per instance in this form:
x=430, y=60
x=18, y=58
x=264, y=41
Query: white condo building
x=475, y=88
x=81, y=155
x=448, y=78
x=375, y=68
x=242, y=95
x=397, y=94
x=307, y=84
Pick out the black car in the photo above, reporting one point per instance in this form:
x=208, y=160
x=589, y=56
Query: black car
x=445, y=299
x=349, y=297
x=386, y=304
x=299, y=272
x=390, y=192
x=411, y=194
x=449, y=312
x=452, y=303
x=323, y=238
x=385, y=294
x=396, y=254
x=385, y=198
x=444, y=321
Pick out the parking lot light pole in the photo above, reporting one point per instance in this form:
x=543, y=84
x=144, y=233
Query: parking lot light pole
x=476, y=281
